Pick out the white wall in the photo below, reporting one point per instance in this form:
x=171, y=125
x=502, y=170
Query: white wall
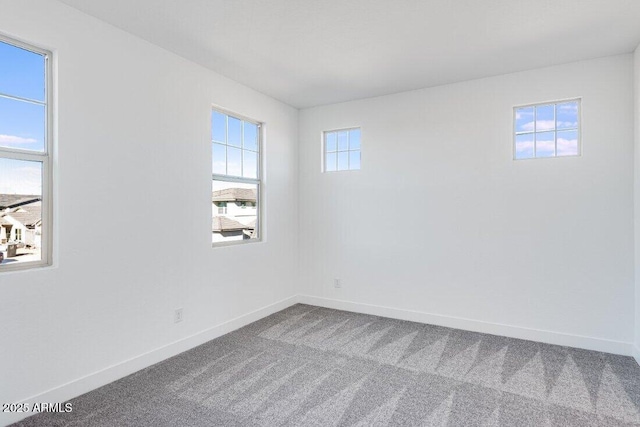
x=636, y=115
x=543, y=244
x=133, y=153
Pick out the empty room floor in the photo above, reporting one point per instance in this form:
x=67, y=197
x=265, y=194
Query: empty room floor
x=311, y=366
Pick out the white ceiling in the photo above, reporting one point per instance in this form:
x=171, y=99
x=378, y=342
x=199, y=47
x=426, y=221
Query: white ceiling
x=313, y=52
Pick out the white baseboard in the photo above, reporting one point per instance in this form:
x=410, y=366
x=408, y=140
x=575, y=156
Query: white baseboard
x=112, y=373
x=549, y=337
x=636, y=354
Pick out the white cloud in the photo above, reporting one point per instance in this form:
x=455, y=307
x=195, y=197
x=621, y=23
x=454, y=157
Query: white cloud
x=524, y=147
x=541, y=125
x=18, y=179
x=569, y=107
x=567, y=147
x=545, y=145
x=526, y=127
x=564, y=125
x=12, y=139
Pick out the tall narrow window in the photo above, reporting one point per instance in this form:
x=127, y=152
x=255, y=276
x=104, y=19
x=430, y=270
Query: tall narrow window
x=547, y=130
x=236, y=184
x=25, y=147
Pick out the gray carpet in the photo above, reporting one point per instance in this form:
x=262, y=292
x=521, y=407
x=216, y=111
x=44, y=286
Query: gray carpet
x=309, y=366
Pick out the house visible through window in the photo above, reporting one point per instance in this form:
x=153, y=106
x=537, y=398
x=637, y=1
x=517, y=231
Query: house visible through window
x=236, y=178
x=25, y=146
x=341, y=150
x=547, y=130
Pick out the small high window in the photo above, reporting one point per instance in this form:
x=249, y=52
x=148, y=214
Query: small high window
x=547, y=130
x=342, y=150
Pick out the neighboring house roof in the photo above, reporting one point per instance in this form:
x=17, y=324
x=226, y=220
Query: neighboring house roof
x=29, y=215
x=234, y=194
x=15, y=200
x=222, y=223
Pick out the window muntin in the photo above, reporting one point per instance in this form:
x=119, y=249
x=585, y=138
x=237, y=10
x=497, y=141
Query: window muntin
x=235, y=146
x=25, y=146
x=547, y=130
x=341, y=149
x=236, y=178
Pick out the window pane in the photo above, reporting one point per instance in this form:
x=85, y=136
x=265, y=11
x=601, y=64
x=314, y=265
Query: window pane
x=234, y=161
x=545, y=117
x=343, y=160
x=567, y=115
x=219, y=159
x=343, y=141
x=524, y=146
x=250, y=165
x=235, y=132
x=545, y=144
x=332, y=141
x=250, y=136
x=568, y=143
x=330, y=165
x=234, y=211
x=22, y=73
x=20, y=211
x=524, y=119
x=354, y=160
x=22, y=125
x=219, y=127
x=354, y=139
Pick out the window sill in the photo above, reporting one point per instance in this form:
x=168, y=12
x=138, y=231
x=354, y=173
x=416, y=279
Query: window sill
x=236, y=243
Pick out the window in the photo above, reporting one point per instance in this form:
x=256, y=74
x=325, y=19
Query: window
x=25, y=147
x=547, y=130
x=222, y=207
x=236, y=183
x=342, y=150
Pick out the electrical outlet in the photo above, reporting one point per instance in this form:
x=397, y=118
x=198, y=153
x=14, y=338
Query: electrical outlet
x=177, y=315
x=337, y=283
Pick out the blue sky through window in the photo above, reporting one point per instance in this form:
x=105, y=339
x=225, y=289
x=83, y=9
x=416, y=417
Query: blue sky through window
x=342, y=150
x=547, y=130
x=22, y=72
x=22, y=117
x=235, y=146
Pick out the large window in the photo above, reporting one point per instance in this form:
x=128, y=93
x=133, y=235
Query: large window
x=341, y=150
x=236, y=184
x=25, y=147
x=547, y=130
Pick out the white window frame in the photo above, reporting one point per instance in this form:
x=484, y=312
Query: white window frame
x=578, y=100
x=222, y=210
x=43, y=157
x=323, y=165
x=231, y=178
